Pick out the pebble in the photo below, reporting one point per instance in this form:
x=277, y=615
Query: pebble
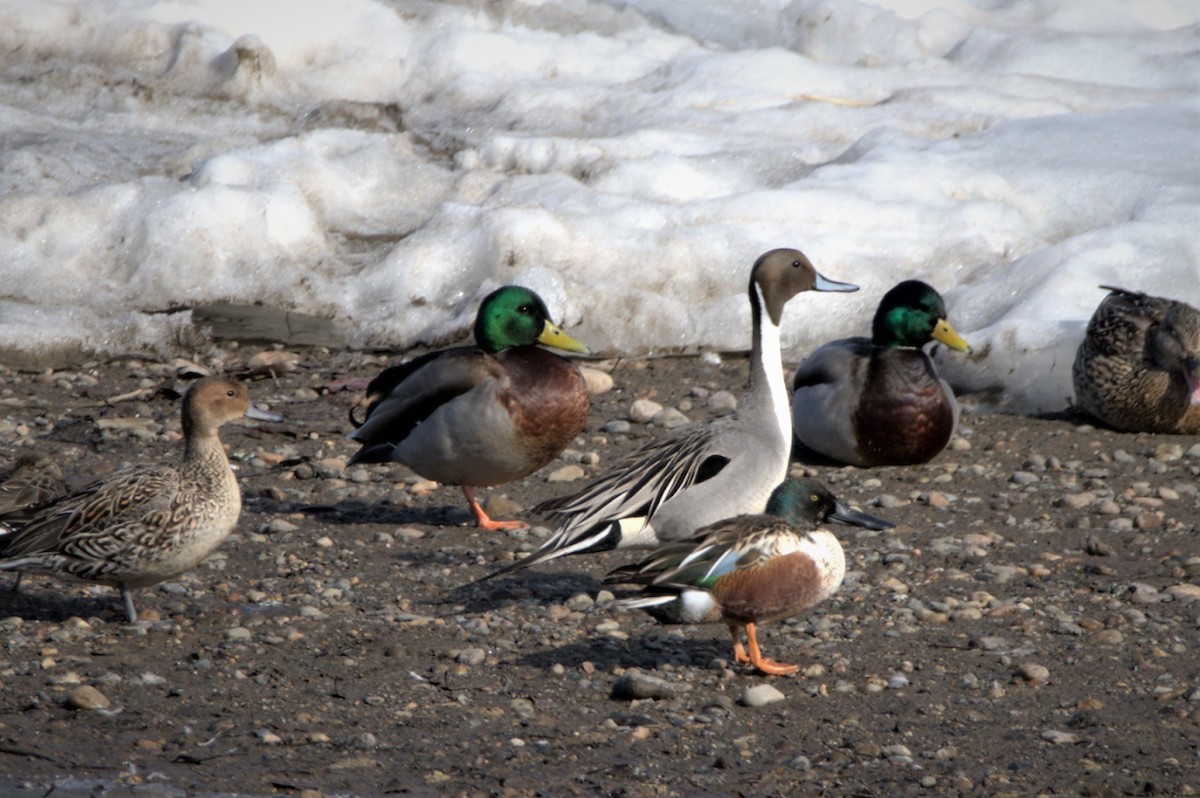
x=670, y=418
x=1108, y=637
x=598, y=381
x=1077, y=501
x=760, y=695
x=567, y=473
x=634, y=684
x=238, y=633
x=471, y=656
x=643, y=410
x=1033, y=673
x=87, y=697
x=722, y=403
x=1060, y=737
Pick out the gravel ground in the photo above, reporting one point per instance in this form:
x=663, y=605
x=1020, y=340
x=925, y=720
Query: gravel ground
x=1030, y=627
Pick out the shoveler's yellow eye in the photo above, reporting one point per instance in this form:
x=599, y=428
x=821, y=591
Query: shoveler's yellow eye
x=814, y=498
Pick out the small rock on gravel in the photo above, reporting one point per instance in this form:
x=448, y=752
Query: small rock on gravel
x=761, y=695
x=87, y=697
x=635, y=684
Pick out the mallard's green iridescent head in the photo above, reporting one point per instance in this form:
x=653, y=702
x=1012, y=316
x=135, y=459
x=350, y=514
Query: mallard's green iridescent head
x=515, y=316
x=913, y=314
x=804, y=503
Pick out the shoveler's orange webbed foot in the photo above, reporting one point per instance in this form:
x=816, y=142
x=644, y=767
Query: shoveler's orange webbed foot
x=481, y=518
x=767, y=666
x=773, y=668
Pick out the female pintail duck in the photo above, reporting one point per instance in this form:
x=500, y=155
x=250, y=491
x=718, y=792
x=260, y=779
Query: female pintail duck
x=145, y=524
x=879, y=401
x=32, y=480
x=698, y=474
x=484, y=415
x=751, y=569
x=1138, y=367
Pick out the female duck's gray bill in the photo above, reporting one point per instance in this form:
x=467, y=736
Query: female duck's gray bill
x=825, y=284
x=850, y=517
x=258, y=414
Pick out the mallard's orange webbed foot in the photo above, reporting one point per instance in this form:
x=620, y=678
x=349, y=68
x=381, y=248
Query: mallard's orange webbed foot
x=481, y=518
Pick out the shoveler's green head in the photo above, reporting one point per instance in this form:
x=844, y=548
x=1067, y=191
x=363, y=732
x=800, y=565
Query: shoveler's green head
x=805, y=503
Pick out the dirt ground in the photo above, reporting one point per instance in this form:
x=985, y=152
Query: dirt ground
x=1030, y=627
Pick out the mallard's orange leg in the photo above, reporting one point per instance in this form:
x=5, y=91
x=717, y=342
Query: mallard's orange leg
x=481, y=518
x=768, y=666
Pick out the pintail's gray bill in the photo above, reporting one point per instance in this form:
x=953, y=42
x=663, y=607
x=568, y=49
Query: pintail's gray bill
x=823, y=283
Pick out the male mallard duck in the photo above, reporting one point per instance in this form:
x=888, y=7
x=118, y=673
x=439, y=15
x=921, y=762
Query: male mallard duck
x=1138, y=367
x=698, y=474
x=484, y=415
x=33, y=479
x=879, y=401
x=750, y=569
x=145, y=524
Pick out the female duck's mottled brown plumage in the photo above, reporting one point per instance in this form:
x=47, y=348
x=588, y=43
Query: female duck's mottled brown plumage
x=480, y=416
x=32, y=480
x=1138, y=367
x=879, y=400
x=145, y=524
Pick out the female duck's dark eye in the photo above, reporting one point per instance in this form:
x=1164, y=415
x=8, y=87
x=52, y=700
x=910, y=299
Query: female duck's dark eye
x=231, y=393
x=795, y=264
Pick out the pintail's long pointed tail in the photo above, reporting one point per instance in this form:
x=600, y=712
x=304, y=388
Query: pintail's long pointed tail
x=602, y=537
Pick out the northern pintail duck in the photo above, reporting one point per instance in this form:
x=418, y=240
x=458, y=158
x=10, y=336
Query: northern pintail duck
x=750, y=569
x=145, y=524
x=483, y=415
x=698, y=474
x=879, y=400
x=1138, y=367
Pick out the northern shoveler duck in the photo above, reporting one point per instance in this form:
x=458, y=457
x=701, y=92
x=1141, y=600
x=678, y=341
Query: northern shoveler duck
x=1138, y=366
x=145, y=524
x=750, y=569
x=880, y=401
x=698, y=474
x=483, y=415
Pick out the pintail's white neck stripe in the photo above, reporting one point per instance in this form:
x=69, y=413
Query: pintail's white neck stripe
x=768, y=352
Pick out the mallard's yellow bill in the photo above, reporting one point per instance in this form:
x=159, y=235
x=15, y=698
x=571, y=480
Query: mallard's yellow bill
x=553, y=336
x=945, y=333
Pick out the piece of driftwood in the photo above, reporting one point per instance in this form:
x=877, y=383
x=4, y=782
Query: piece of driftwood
x=230, y=321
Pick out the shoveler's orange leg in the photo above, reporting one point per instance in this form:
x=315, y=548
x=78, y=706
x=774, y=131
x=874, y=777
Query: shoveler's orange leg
x=481, y=518
x=739, y=652
x=768, y=666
